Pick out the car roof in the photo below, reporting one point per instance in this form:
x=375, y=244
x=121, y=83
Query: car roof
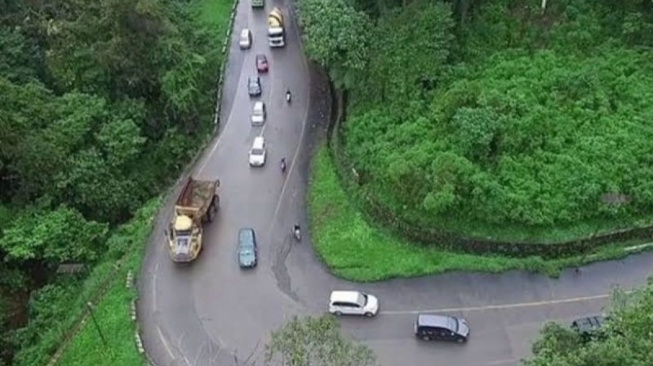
x=588, y=323
x=244, y=31
x=347, y=296
x=434, y=320
x=258, y=104
x=246, y=236
x=258, y=141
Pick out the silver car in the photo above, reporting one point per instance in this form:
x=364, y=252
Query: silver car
x=254, y=86
x=258, y=114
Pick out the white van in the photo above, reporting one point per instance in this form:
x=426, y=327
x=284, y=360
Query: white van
x=257, y=152
x=245, y=39
x=353, y=303
x=258, y=113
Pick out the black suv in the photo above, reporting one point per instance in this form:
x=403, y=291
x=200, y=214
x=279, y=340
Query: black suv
x=589, y=327
x=441, y=327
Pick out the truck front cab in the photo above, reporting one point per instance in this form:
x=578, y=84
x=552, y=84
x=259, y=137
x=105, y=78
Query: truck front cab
x=184, y=238
x=276, y=34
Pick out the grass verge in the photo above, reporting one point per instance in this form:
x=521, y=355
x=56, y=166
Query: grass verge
x=214, y=13
x=356, y=250
x=113, y=312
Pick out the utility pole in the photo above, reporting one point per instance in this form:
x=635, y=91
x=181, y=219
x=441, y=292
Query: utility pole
x=89, y=305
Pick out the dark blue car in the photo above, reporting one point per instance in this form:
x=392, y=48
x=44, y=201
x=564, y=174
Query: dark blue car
x=247, y=248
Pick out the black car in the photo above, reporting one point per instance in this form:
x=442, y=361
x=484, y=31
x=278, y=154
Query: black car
x=441, y=328
x=247, y=248
x=589, y=327
x=254, y=86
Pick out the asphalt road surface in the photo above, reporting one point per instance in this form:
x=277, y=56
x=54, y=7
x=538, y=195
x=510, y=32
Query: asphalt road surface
x=212, y=313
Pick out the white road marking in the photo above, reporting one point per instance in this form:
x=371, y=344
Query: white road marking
x=199, y=353
x=301, y=135
x=156, y=269
x=227, y=124
x=499, y=307
x=165, y=344
x=179, y=343
x=511, y=361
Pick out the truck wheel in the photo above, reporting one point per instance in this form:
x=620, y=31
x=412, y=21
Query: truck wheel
x=209, y=215
x=216, y=203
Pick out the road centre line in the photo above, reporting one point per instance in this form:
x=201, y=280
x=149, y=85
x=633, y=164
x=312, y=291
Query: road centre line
x=154, y=292
x=499, y=307
x=165, y=344
x=301, y=134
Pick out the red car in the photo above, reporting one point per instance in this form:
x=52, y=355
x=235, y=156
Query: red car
x=261, y=63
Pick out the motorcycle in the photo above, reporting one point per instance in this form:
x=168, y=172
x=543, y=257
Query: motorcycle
x=298, y=234
x=283, y=165
x=288, y=97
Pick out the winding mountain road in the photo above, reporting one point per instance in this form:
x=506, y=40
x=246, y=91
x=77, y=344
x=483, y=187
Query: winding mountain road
x=212, y=313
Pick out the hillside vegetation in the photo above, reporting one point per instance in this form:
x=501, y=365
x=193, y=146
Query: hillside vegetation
x=495, y=118
x=624, y=339
x=102, y=103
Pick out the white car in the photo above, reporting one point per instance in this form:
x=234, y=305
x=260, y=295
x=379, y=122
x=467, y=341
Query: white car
x=257, y=152
x=245, y=39
x=353, y=303
x=258, y=114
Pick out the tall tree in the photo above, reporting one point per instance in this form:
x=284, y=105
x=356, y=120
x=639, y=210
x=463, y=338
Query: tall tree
x=315, y=341
x=336, y=36
x=626, y=337
x=54, y=237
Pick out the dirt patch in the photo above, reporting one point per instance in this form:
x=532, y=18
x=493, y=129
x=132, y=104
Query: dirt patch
x=326, y=213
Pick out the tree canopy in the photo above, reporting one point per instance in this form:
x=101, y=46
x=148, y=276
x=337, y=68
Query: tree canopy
x=103, y=102
x=625, y=337
x=315, y=341
x=502, y=113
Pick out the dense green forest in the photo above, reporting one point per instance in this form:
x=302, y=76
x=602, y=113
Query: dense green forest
x=625, y=339
x=500, y=114
x=103, y=103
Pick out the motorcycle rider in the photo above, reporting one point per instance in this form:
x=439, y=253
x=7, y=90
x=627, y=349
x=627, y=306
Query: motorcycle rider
x=296, y=229
x=283, y=164
x=288, y=95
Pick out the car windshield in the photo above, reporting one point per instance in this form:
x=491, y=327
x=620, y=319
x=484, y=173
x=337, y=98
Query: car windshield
x=364, y=299
x=183, y=233
x=453, y=324
x=257, y=151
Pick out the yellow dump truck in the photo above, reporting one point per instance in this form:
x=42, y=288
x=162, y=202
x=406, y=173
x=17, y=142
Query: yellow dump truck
x=197, y=203
x=276, y=35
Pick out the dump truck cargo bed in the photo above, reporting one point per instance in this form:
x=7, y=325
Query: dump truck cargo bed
x=196, y=197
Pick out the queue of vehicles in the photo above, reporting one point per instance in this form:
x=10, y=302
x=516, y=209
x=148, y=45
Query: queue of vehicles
x=198, y=203
x=198, y=200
